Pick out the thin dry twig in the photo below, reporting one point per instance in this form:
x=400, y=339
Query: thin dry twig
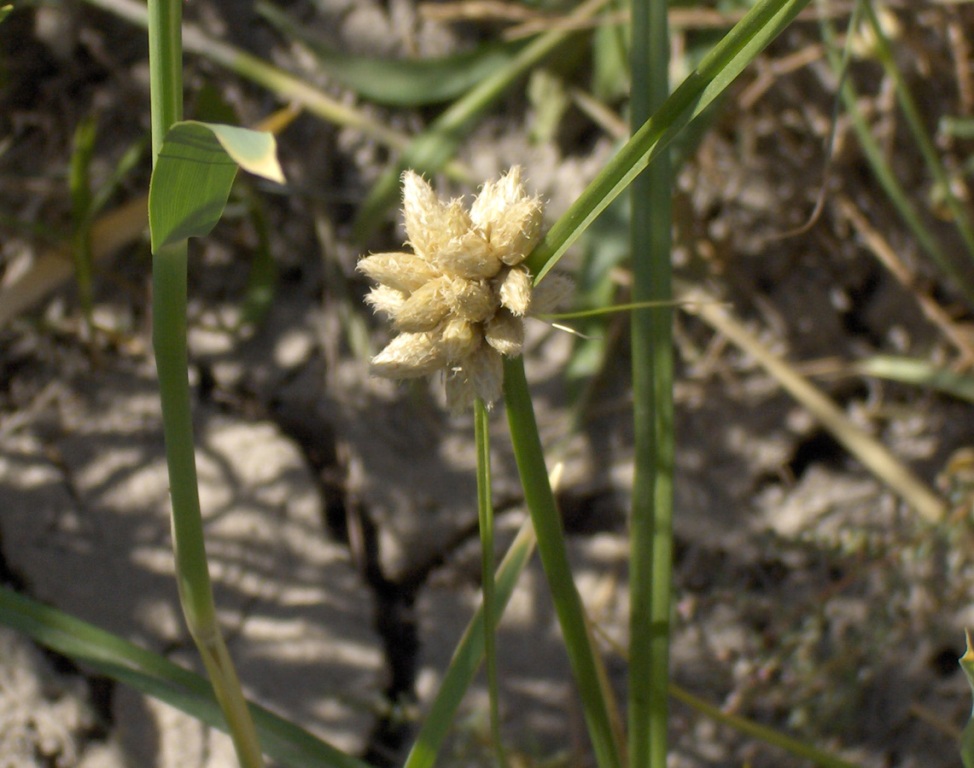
x=873, y=454
x=880, y=247
x=110, y=233
x=600, y=114
x=531, y=22
x=777, y=68
x=477, y=10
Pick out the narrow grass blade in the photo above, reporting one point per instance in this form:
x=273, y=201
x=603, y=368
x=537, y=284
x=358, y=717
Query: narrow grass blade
x=554, y=557
x=79, y=181
x=651, y=518
x=715, y=72
x=884, y=174
x=86, y=202
x=485, y=514
x=158, y=677
x=922, y=373
x=768, y=735
x=398, y=82
x=915, y=121
x=467, y=656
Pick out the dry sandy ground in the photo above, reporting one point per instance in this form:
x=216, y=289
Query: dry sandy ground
x=340, y=509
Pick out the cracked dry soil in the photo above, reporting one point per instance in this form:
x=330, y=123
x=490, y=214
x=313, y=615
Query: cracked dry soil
x=340, y=509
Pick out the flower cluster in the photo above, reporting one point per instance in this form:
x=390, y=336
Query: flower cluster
x=458, y=301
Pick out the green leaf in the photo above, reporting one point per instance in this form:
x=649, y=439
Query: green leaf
x=5, y=11
x=79, y=183
x=399, y=82
x=156, y=676
x=485, y=514
x=194, y=172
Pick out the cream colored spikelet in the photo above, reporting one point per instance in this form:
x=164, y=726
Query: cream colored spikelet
x=459, y=300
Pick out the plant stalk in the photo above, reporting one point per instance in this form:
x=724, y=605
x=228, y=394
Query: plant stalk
x=651, y=518
x=485, y=514
x=596, y=697
x=169, y=300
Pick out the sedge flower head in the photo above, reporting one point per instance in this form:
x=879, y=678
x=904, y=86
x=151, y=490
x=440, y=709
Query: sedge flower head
x=458, y=301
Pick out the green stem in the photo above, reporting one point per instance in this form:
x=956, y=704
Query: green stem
x=192, y=572
x=485, y=510
x=651, y=523
x=466, y=658
x=554, y=557
x=169, y=342
x=165, y=19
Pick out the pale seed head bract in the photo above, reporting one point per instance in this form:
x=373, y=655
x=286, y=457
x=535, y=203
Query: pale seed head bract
x=459, y=299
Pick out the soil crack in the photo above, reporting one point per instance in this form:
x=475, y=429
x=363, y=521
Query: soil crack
x=394, y=601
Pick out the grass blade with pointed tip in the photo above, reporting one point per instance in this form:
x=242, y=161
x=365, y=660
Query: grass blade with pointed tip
x=914, y=119
x=763, y=732
x=883, y=171
x=718, y=69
